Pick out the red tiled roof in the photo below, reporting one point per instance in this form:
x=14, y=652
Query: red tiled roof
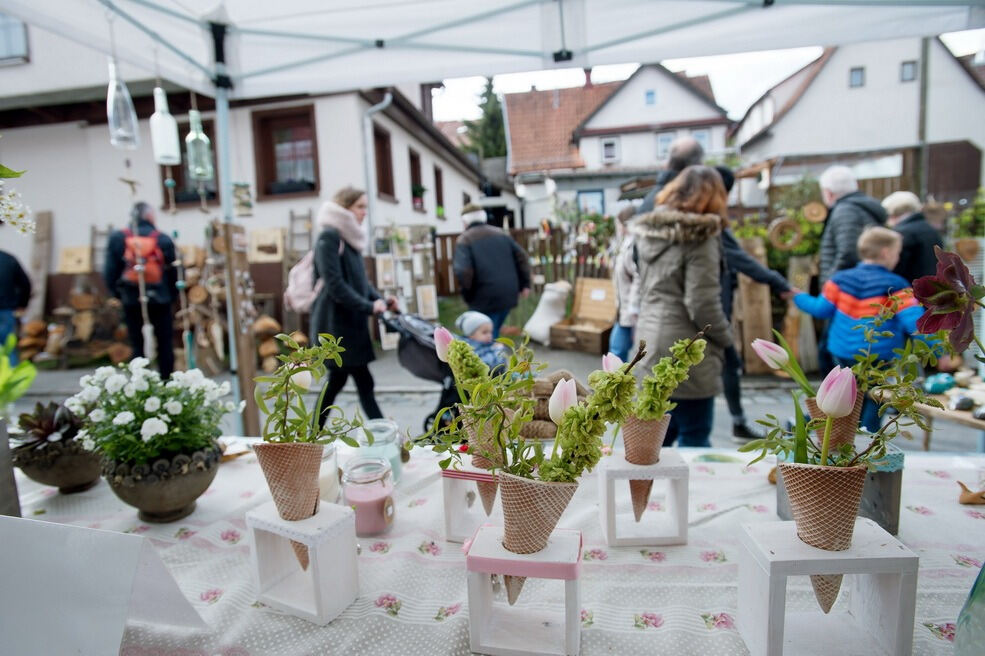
x=541, y=124
x=453, y=131
x=701, y=83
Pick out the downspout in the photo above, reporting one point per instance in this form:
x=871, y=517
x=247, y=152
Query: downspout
x=369, y=166
x=924, y=176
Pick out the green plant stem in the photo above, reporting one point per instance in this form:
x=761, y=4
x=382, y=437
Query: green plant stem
x=827, y=438
x=876, y=438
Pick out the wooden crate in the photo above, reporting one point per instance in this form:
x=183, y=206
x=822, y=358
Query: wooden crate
x=587, y=329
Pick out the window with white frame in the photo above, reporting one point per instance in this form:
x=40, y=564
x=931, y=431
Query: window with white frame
x=856, y=77
x=650, y=97
x=664, y=139
x=703, y=137
x=13, y=40
x=908, y=71
x=610, y=150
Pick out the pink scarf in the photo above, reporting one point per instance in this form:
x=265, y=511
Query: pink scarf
x=333, y=215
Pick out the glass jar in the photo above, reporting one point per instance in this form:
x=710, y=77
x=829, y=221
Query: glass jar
x=328, y=477
x=386, y=444
x=367, y=487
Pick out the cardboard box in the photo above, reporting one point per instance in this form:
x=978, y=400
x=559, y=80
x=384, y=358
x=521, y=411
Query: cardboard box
x=594, y=310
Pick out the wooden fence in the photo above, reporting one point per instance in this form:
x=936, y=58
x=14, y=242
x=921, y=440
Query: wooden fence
x=552, y=258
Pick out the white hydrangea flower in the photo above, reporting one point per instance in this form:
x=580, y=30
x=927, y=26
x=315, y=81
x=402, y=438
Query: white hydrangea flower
x=138, y=363
x=140, y=384
x=173, y=407
x=85, y=381
x=115, y=383
x=152, y=404
x=97, y=415
x=225, y=388
x=102, y=373
x=76, y=405
x=124, y=418
x=129, y=390
x=230, y=406
x=88, y=443
x=89, y=394
x=151, y=427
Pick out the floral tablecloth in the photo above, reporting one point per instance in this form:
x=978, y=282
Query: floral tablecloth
x=413, y=600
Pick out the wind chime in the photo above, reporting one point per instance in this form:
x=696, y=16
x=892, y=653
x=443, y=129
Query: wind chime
x=123, y=134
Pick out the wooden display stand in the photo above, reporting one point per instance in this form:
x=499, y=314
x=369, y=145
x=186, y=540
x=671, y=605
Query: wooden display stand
x=501, y=630
x=331, y=582
x=588, y=328
x=653, y=529
x=753, y=312
x=463, y=507
x=882, y=586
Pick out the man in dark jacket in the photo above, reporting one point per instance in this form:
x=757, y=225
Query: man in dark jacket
x=917, y=258
x=684, y=152
x=492, y=270
x=120, y=279
x=15, y=292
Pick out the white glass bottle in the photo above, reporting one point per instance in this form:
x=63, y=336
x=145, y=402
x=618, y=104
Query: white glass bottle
x=198, y=149
x=164, y=131
x=120, y=114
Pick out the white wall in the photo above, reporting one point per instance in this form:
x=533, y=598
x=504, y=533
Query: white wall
x=673, y=103
x=955, y=104
x=639, y=149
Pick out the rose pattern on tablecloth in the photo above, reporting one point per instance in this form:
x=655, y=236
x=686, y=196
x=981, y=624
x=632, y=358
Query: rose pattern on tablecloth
x=595, y=554
x=757, y=508
x=704, y=469
x=390, y=604
x=417, y=502
x=429, y=548
x=140, y=528
x=447, y=611
x=714, y=556
x=938, y=473
x=718, y=620
x=184, y=533
x=705, y=507
x=211, y=596
x=943, y=631
x=751, y=469
x=39, y=511
x=975, y=514
x=648, y=621
x=967, y=561
x=380, y=547
x=231, y=536
x=587, y=618
x=655, y=506
x=921, y=510
x=653, y=556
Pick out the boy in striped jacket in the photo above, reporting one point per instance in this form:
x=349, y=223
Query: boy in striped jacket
x=852, y=298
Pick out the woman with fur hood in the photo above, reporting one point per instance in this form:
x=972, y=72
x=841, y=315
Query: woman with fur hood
x=347, y=298
x=680, y=264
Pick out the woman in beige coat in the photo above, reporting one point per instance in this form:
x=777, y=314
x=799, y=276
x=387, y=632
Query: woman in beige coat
x=680, y=260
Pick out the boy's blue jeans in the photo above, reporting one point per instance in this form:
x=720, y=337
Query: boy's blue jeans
x=621, y=340
x=691, y=422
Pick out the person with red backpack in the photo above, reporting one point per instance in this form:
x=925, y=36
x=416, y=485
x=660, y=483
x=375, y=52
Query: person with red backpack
x=141, y=242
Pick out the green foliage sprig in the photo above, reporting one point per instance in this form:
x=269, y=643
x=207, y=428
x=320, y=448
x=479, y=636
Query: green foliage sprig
x=14, y=379
x=653, y=400
x=289, y=418
x=970, y=222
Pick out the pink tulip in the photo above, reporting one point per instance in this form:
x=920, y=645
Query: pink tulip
x=611, y=362
x=836, y=397
x=442, y=338
x=565, y=395
x=772, y=354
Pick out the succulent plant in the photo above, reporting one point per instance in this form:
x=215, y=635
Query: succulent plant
x=49, y=423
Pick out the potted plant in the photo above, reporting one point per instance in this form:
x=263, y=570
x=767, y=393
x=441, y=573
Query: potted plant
x=824, y=480
x=157, y=439
x=969, y=228
x=49, y=452
x=439, y=212
x=291, y=453
x=14, y=381
x=417, y=194
x=646, y=424
x=536, y=487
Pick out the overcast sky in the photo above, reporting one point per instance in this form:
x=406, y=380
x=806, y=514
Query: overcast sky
x=738, y=80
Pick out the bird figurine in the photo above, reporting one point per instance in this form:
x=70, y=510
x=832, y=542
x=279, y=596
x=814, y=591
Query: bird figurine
x=971, y=498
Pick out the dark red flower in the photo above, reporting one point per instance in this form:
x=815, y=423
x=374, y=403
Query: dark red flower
x=948, y=298
x=463, y=448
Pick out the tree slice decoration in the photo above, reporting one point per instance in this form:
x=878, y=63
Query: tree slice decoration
x=815, y=212
x=785, y=234
x=197, y=295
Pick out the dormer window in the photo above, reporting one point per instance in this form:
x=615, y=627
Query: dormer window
x=610, y=151
x=650, y=97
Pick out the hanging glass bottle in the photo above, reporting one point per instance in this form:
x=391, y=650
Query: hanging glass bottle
x=198, y=149
x=120, y=113
x=164, y=131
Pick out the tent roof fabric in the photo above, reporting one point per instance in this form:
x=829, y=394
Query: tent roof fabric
x=315, y=46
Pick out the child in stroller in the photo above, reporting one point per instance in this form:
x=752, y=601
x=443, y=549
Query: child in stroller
x=477, y=330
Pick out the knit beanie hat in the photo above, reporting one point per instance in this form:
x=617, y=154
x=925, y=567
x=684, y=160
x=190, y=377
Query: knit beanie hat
x=471, y=321
x=472, y=213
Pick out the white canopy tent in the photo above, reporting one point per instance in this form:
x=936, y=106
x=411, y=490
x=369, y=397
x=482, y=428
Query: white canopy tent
x=257, y=48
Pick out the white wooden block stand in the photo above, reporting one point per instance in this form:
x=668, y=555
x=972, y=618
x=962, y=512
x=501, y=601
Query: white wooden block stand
x=653, y=529
x=331, y=582
x=881, y=579
x=502, y=630
x=463, y=507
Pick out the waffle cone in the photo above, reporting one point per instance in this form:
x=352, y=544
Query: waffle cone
x=843, y=429
x=825, y=502
x=291, y=470
x=487, y=492
x=531, y=511
x=643, y=439
x=539, y=429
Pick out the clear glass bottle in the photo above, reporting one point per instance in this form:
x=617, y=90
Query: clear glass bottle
x=367, y=487
x=386, y=444
x=164, y=132
x=120, y=115
x=969, y=634
x=198, y=149
x=328, y=478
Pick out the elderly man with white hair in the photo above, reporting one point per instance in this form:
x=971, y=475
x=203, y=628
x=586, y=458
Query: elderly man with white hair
x=917, y=258
x=850, y=212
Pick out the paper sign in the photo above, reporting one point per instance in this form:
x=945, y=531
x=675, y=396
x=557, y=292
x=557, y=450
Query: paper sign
x=72, y=590
x=598, y=295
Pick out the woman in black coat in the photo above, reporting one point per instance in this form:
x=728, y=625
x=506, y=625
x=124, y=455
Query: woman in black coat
x=347, y=299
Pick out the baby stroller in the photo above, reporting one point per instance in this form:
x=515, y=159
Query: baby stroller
x=417, y=355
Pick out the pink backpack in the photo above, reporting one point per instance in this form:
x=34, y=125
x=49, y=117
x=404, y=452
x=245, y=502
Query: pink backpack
x=302, y=288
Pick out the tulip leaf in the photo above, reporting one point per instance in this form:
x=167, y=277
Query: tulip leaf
x=800, y=432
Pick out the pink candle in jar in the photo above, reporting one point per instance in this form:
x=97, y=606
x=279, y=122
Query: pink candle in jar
x=367, y=486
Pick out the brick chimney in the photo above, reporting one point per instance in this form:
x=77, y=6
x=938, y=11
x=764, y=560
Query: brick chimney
x=588, y=77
